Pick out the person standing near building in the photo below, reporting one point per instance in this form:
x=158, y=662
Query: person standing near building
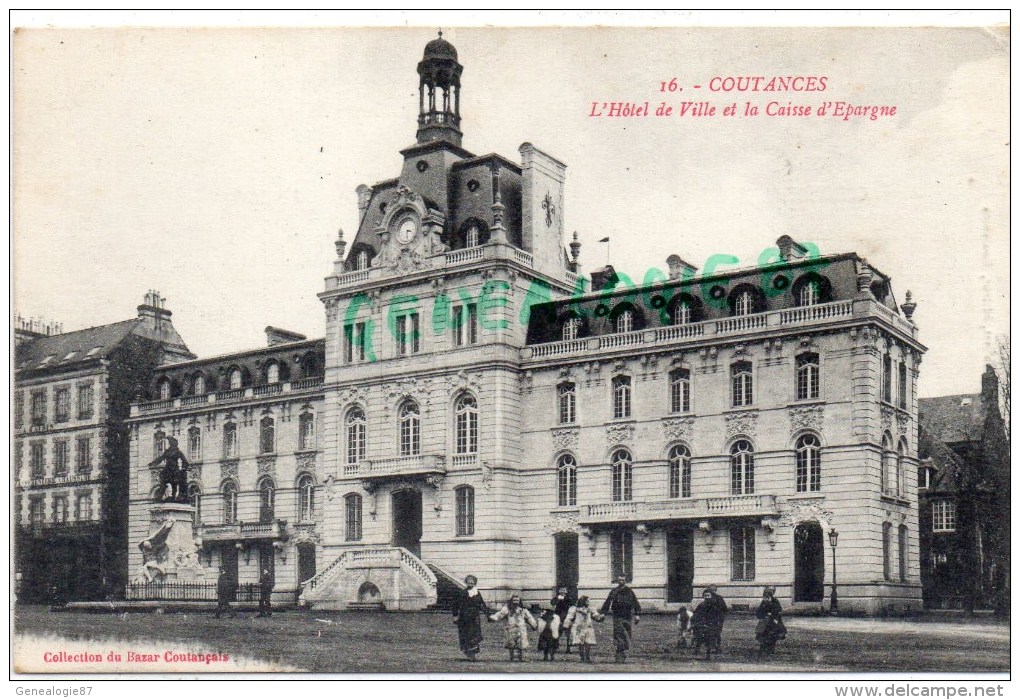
x=623, y=605
x=467, y=615
x=266, y=593
x=561, y=607
x=223, y=594
x=720, y=610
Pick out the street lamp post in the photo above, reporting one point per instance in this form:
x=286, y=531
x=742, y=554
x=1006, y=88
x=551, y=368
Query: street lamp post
x=834, y=600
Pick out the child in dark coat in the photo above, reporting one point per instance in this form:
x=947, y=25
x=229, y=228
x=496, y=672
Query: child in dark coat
x=548, y=642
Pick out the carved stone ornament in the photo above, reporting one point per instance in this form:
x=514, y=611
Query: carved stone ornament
x=332, y=488
x=565, y=438
x=352, y=394
x=228, y=469
x=622, y=433
x=674, y=429
x=806, y=417
x=436, y=482
x=332, y=306
x=306, y=462
x=741, y=423
x=770, y=525
x=902, y=422
x=266, y=465
x=797, y=512
x=305, y=534
x=462, y=380
x=562, y=522
x=487, y=475
x=887, y=418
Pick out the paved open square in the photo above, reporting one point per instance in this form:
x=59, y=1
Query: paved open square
x=363, y=642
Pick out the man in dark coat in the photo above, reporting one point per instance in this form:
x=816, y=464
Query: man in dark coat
x=623, y=605
x=720, y=605
x=174, y=474
x=224, y=593
x=266, y=593
x=561, y=604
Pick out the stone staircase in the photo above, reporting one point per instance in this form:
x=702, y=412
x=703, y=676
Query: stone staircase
x=371, y=578
x=448, y=588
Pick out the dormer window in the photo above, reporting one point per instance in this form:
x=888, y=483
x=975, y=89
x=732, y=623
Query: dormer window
x=164, y=389
x=808, y=294
x=743, y=305
x=571, y=328
x=198, y=385
x=472, y=237
x=361, y=261
x=273, y=373
x=625, y=321
x=681, y=314
x=235, y=378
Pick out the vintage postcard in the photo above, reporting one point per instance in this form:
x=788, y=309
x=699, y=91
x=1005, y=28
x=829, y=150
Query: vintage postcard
x=460, y=349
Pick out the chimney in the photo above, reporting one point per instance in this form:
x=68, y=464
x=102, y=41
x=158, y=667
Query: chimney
x=32, y=328
x=790, y=249
x=679, y=269
x=990, y=387
x=154, y=311
x=364, y=197
x=604, y=279
x=279, y=336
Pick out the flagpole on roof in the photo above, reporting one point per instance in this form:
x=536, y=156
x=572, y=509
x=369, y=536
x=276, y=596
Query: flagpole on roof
x=606, y=241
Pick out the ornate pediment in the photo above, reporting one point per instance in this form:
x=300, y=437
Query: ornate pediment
x=674, y=429
x=809, y=417
x=621, y=433
x=565, y=438
x=562, y=522
x=741, y=423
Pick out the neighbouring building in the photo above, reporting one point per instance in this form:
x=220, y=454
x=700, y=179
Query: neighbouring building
x=964, y=499
x=484, y=408
x=72, y=392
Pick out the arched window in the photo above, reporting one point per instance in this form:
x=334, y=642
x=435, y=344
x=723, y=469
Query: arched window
x=743, y=384
x=621, y=397
x=466, y=429
x=566, y=481
x=355, y=435
x=410, y=429
x=807, y=376
x=809, y=464
x=164, y=389
x=811, y=289
x=471, y=238
x=465, y=506
x=267, y=436
x=888, y=465
x=624, y=322
x=159, y=444
x=901, y=455
x=681, y=313
x=195, y=444
x=571, y=328
x=808, y=294
x=195, y=499
x=306, y=432
x=746, y=299
x=887, y=378
x=230, y=440
x=901, y=387
x=267, y=501
x=741, y=468
x=229, y=503
x=310, y=366
x=235, y=378
x=623, y=476
x=352, y=507
x=198, y=384
x=568, y=402
x=680, y=391
x=306, y=498
x=679, y=472
x=743, y=304
x=361, y=262
x=903, y=552
x=273, y=373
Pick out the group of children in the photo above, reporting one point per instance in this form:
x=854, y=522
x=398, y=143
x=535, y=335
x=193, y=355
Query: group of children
x=563, y=618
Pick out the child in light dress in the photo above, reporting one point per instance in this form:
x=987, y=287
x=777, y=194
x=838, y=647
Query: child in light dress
x=517, y=620
x=580, y=620
x=684, y=631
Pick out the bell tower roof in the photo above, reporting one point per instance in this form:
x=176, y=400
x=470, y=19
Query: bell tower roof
x=439, y=93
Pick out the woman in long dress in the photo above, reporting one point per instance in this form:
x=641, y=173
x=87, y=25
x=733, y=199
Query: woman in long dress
x=467, y=614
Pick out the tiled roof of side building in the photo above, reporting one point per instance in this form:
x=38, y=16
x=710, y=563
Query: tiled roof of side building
x=86, y=344
x=953, y=419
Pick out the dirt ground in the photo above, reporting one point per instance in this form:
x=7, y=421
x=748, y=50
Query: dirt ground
x=363, y=642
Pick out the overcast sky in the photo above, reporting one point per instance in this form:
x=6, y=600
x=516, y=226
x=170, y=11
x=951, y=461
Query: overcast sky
x=217, y=165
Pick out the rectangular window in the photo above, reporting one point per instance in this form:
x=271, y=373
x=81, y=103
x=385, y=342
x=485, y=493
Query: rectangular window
x=37, y=460
x=354, y=342
x=465, y=324
x=903, y=552
x=568, y=403
x=886, y=551
x=83, y=507
x=887, y=379
x=621, y=397
x=83, y=456
x=943, y=515
x=229, y=441
x=353, y=507
x=902, y=386
x=18, y=460
x=195, y=444
x=38, y=408
x=19, y=409
x=408, y=334
x=742, y=553
x=306, y=432
x=807, y=376
x=60, y=457
x=465, y=511
x=60, y=509
x=86, y=400
x=621, y=554
x=62, y=405
x=680, y=391
x=743, y=388
x=36, y=514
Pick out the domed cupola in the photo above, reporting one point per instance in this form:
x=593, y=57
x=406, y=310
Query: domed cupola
x=439, y=119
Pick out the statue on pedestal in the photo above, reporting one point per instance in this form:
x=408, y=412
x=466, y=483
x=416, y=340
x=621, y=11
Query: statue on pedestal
x=173, y=477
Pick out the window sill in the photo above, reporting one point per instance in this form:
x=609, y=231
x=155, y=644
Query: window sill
x=899, y=500
x=806, y=496
x=682, y=414
x=565, y=509
x=740, y=409
x=798, y=403
x=573, y=424
x=306, y=451
x=618, y=421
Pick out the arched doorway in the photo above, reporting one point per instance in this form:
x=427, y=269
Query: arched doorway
x=306, y=561
x=407, y=520
x=808, y=563
x=566, y=561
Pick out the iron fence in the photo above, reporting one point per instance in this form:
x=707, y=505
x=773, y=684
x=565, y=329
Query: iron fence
x=188, y=590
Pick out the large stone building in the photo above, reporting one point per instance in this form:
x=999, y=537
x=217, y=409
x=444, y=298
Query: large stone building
x=486, y=409
x=72, y=393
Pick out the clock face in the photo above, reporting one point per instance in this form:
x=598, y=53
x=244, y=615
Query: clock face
x=405, y=232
